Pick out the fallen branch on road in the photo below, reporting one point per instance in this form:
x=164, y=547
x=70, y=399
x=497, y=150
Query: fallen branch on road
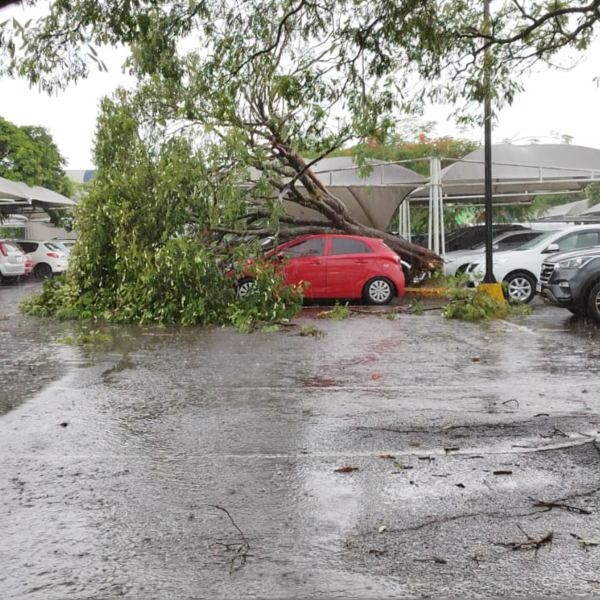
x=550, y=505
x=531, y=543
x=241, y=548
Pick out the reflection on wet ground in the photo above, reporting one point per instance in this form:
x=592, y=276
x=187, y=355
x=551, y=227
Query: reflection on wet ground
x=192, y=463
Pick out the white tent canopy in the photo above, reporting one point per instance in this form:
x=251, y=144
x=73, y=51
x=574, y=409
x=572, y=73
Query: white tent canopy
x=372, y=200
x=12, y=191
x=564, y=211
x=19, y=194
x=592, y=211
x=518, y=173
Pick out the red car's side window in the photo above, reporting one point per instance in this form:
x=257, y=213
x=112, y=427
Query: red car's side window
x=312, y=247
x=349, y=246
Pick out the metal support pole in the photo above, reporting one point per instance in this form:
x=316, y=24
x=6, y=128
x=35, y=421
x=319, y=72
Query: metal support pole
x=487, y=117
x=430, y=223
x=438, y=207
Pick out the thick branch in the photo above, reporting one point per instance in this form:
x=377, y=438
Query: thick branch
x=536, y=24
x=290, y=233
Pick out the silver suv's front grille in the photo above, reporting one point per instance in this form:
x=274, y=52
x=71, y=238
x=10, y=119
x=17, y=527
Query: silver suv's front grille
x=546, y=272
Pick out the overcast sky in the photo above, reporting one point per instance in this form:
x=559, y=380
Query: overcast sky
x=563, y=102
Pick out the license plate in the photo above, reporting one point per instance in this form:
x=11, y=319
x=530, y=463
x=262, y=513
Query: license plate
x=538, y=288
x=19, y=259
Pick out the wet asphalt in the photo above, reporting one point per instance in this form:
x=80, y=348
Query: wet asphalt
x=184, y=463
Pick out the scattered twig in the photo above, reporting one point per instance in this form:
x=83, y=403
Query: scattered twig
x=559, y=432
x=586, y=543
x=511, y=400
x=241, y=548
x=345, y=469
x=550, y=505
x=435, y=559
x=531, y=543
x=503, y=472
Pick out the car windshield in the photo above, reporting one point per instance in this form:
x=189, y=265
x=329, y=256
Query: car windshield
x=535, y=242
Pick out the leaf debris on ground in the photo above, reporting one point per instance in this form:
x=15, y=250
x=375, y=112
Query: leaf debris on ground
x=346, y=469
x=585, y=542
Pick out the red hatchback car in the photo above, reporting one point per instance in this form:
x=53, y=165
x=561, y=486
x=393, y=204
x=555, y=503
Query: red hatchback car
x=339, y=267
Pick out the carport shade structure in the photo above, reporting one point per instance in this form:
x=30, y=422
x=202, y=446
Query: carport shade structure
x=519, y=173
x=564, y=212
x=16, y=195
x=12, y=191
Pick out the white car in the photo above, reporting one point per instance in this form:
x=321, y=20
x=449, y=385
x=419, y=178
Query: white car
x=459, y=260
x=12, y=261
x=520, y=268
x=65, y=246
x=48, y=259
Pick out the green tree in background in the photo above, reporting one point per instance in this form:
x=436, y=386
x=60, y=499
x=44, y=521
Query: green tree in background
x=30, y=154
x=592, y=193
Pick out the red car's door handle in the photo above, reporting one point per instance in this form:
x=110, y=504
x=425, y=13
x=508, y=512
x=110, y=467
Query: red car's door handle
x=360, y=262
x=314, y=262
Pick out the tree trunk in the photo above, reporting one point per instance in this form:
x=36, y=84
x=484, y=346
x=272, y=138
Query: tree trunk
x=420, y=259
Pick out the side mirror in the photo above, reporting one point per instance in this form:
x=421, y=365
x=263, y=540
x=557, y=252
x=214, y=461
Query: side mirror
x=551, y=248
x=280, y=256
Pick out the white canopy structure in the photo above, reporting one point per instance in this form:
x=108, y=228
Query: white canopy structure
x=11, y=191
x=17, y=194
x=590, y=212
x=372, y=200
x=564, y=212
x=519, y=173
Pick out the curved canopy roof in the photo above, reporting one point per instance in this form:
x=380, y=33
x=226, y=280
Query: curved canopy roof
x=18, y=194
x=372, y=199
x=519, y=172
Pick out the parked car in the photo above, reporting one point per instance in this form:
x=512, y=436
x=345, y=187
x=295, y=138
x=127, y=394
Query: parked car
x=12, y=261
x=467, y=237
x=520, y=268
x=458, y=262
x=65, y=245
x=337, y=267
x=571, y=280
x=48, y=259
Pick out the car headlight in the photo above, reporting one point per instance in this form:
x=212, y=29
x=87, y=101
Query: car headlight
x=576, y=263
x=501, y=261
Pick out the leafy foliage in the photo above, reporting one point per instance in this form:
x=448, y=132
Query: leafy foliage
x=142, y=254
x=592, y=193
x=474, y=304
x=338, y=313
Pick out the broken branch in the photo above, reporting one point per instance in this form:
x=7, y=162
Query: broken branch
x=241, y=548
x=550, y=505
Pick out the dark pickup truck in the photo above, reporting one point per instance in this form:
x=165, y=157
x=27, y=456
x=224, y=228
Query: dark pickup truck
x=571, y=280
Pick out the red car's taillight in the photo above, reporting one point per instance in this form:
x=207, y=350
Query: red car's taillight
x=52, y=255
x=2, y=250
